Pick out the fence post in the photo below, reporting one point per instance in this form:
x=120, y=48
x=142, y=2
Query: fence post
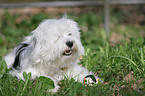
x=106, y=17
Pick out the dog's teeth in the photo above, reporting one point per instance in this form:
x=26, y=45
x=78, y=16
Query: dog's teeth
x=68, y=52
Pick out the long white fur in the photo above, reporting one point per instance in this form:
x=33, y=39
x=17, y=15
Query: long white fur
x=44, y=54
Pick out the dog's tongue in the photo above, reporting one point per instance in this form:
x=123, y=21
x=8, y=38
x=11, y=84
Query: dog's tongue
x=67, y=52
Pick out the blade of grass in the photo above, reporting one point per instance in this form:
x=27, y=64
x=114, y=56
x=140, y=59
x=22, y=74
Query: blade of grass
x=26, y=82
x=140, y=71
x=142, y=58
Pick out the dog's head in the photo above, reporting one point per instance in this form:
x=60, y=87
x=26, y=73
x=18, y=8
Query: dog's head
x=57, y=39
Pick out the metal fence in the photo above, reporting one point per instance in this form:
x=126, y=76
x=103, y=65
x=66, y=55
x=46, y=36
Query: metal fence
x=104, y=3
x=71, y=3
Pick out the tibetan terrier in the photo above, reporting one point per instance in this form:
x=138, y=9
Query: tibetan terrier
x=52, y=50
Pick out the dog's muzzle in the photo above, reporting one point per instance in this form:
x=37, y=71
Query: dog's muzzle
x=69, y=49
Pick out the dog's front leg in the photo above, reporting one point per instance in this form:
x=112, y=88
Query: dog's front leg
x=79, y=73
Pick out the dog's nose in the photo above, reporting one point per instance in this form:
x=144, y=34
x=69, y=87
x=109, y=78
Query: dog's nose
x=69, y=44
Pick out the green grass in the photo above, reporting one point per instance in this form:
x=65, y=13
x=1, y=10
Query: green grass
x=113, y=64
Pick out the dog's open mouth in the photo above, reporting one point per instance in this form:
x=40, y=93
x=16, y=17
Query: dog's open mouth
x=67, y=52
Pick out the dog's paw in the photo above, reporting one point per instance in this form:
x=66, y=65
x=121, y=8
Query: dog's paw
x=90, y=80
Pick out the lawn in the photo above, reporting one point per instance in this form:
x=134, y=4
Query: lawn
x=118, y=60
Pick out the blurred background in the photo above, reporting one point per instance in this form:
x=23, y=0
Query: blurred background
x=114, y=20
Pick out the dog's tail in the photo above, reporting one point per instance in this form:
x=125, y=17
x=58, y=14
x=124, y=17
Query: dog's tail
x=13, y=59
x=22, y=47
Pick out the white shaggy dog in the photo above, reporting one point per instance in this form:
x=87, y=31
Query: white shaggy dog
x=52, y=50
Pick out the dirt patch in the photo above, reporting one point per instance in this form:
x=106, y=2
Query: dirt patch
x=124, y=14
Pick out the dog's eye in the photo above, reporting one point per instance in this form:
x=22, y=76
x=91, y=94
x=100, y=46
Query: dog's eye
x=69, y=34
